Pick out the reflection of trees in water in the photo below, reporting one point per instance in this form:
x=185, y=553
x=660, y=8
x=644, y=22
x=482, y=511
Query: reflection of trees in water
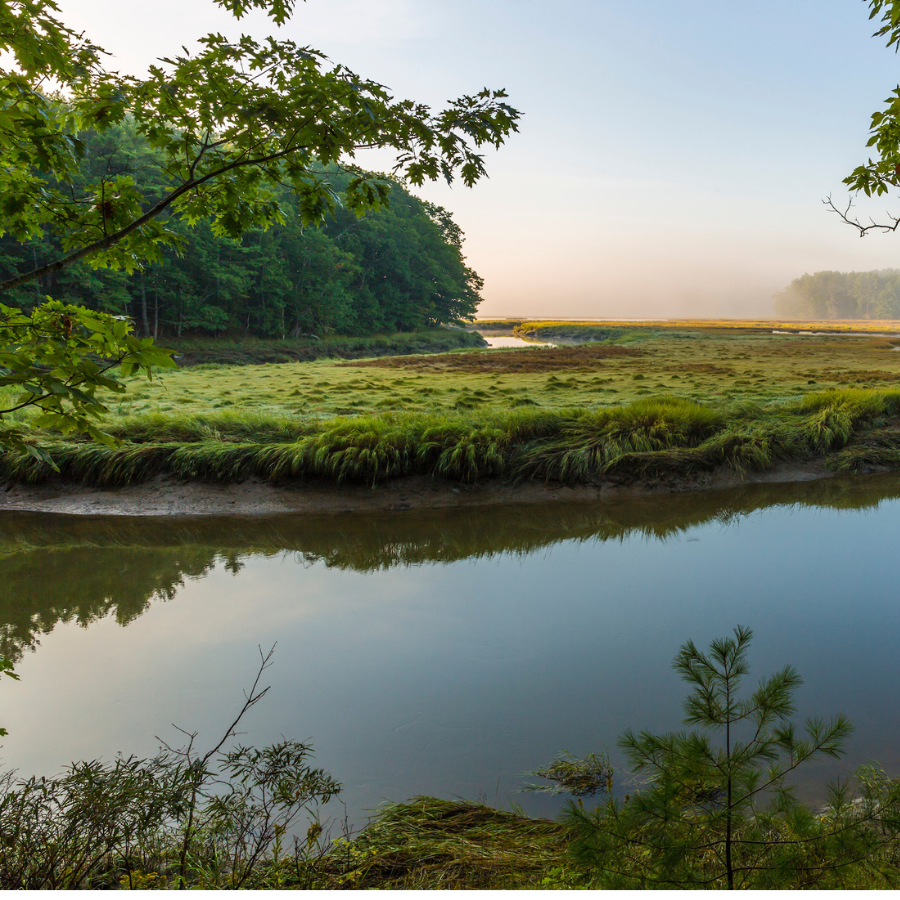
x=40, y=588
x=79, y=569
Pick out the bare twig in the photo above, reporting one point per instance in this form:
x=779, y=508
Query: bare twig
x=848, y=219
x=197, y=767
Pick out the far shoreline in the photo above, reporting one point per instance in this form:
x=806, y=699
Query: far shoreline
x=164, y=496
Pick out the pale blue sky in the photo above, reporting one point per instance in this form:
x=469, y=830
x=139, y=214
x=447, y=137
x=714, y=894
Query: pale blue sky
x=673, y=155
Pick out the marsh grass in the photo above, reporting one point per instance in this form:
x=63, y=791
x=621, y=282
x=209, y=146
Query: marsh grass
x=225, y=425
x=651, y=437
x=596, y=443
x=667, y=409
x=429, y=843
x=582, y=332
x=741, y=368
x=790, y=326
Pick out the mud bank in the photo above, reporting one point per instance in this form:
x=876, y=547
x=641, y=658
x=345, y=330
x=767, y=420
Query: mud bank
x=166, y=497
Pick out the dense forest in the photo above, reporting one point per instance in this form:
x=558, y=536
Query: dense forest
x=841, y=295
x=397, y=269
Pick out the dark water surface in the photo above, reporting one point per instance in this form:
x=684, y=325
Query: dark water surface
x=446, y=652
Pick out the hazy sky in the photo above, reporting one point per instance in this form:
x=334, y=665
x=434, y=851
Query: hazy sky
x=673, y=154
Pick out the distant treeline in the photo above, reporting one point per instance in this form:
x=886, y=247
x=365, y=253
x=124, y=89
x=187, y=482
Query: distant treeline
x=397, y=269
x=841, y=295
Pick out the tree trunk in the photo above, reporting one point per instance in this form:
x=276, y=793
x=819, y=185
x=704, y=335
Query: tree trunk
x=37, y=281
x=144, y=317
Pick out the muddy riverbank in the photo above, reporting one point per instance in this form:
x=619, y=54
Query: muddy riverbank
x=164, y=496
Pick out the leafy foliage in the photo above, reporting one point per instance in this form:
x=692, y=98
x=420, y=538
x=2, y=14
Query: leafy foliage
x=227, y=126
x=718, y=809
x=56, y=359
x=177, y=819
x=880, y=174
x=877, y=178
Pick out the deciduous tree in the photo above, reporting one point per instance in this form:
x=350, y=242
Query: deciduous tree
x=228, y=125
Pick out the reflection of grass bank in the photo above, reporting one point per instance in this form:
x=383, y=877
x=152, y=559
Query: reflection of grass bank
x=82, y=558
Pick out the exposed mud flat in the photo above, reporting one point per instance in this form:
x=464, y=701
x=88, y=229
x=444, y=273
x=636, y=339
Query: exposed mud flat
x=166, y=497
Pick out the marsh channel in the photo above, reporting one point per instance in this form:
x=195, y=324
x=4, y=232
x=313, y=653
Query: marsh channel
x=503, y=342
x=446, y=652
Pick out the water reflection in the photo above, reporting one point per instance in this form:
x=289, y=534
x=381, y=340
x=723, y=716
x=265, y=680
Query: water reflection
x=445, y=652
x=57, y=569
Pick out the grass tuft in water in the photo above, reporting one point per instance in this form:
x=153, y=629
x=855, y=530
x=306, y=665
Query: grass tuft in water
x=429, y=843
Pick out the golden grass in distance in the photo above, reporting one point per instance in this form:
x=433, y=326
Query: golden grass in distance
x=824, y=325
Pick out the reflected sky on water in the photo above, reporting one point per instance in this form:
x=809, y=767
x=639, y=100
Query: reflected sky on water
x=445, y=652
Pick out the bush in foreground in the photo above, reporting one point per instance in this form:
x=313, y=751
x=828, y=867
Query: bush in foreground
x=180, y=819
x=718, y=810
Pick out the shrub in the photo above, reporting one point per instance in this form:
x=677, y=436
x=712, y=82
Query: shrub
x=179, y=819
x=718, y=810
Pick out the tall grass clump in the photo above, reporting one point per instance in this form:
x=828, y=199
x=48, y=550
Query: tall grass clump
x=90, y=464
x=428, y=843
x=374, y=448
x=596, y=442
x=367, y=450
x=648, y=438
x=226, y=425
x=455, y=450
x=834, y=416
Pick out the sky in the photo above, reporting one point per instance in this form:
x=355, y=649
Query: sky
x=673, y=155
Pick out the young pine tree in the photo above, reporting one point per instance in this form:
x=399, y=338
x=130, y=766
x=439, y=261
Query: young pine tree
x=718, y=811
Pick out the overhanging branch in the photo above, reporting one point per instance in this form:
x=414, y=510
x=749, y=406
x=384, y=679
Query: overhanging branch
x=848, y=219
x=152, y=213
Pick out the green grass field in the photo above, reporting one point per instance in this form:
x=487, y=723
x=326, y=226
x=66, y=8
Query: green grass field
x=650, y=403
x=707, y=368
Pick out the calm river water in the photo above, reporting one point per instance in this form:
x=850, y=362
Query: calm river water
x=445, y=653
x=503, y=342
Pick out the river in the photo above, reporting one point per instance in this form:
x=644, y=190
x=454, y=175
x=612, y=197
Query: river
x=446, y=652
x=504, y=342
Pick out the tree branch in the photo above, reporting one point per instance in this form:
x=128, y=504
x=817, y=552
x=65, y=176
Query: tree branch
x=138, y=223
x=847, y=219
